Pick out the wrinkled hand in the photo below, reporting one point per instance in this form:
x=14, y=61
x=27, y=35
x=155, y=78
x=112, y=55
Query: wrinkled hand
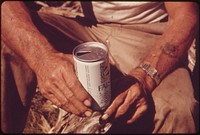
x=58, y=83
x=129, y=104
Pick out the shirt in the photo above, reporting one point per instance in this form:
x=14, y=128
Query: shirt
x=128, y=12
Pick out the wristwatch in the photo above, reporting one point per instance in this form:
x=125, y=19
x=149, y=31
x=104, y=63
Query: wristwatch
x=152, y=72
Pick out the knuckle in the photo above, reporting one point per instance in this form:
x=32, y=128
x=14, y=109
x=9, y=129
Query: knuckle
x=118, y=100
x=58, y=104
x=44, y=93
x=78, y=113
x=145, y=107
x=46, y=85
x=64, y=103
x=71, y=84
x=120, y=112
x=75, y=111
x=62, y=87
x=83, y=110
x=65, y=108
x=135, y=92
x=70, y=96
x=53, y=76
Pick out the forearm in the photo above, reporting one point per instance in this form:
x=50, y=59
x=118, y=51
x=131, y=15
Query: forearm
x=171, y=48
x=21, y=35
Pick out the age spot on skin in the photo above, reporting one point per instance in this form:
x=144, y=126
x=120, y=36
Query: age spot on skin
x=170, y=50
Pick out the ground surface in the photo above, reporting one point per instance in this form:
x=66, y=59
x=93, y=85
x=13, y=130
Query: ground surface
x=42, y=115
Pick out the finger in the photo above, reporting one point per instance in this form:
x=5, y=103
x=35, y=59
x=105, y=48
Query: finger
x=113, y=107
x=64, y=103
x=56, y=96
x=53, y=99
x=74, y=84
x=139, y=112
x=81, y=108
x=73, y=100
x=69, y=106
x=131, y=97
x=50, y=96
x=56, y=102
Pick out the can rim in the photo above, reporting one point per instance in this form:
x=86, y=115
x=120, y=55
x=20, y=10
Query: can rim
x=97, y=44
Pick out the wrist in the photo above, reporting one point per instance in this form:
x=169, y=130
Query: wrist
x=151, y=72
x=37, y=57
x=142, y=77
x=149, y=84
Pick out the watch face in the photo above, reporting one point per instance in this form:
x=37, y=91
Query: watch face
x=152, y=72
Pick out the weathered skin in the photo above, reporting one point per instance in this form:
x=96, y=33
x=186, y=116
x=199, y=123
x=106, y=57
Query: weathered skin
x=59, y=83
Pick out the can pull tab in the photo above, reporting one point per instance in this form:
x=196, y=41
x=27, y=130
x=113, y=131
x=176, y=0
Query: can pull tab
x=80, y=53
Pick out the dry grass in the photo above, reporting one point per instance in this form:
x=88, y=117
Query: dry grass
x=42, y=115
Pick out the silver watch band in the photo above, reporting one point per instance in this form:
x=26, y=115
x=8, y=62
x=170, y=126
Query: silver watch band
x=152, y=72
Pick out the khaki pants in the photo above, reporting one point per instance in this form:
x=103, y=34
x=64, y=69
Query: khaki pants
x=174, y=106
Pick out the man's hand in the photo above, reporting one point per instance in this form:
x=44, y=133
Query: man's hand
x=54, y=71
x=129, y=104
x=58, y=83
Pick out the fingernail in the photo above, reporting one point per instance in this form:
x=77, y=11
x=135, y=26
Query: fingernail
x=105, y=116
x=88, y=113
x=87, y=103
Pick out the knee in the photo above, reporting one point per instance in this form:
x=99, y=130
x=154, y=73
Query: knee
x=176, y=115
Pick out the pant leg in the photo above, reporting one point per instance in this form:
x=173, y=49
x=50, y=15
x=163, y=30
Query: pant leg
x=175, y=106
x=17, y=89
x=130, y=39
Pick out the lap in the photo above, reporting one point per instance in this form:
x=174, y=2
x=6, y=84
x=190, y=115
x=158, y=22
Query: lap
x=128, y=45
x=175, y=104
x=171, y=98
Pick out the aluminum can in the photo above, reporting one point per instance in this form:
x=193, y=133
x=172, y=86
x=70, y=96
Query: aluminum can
x=92, y=68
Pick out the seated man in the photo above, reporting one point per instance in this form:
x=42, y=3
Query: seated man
x=136, y=38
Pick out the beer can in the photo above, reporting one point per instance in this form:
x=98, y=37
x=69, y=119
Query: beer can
x=92, y=68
